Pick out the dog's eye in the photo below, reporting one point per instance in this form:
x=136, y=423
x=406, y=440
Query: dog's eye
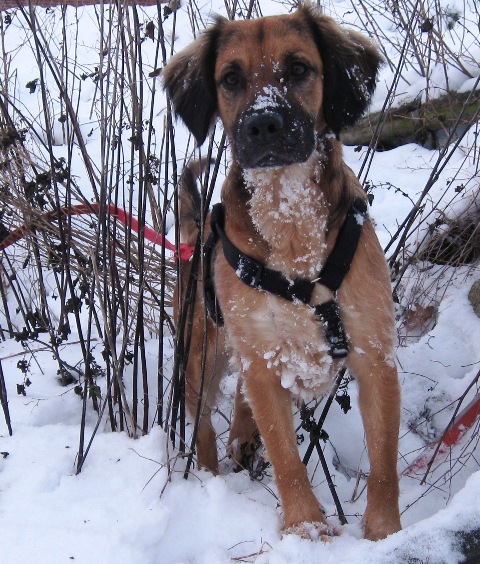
x=231, y=80
x=298, y=70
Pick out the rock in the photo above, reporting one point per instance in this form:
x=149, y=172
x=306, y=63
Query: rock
x=474, y=297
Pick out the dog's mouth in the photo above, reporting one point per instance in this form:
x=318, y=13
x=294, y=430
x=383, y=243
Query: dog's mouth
x=272, y=159
x=275, y=136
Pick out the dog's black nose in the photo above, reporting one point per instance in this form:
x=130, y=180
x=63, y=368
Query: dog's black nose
x=272, y=136
x=263, y=127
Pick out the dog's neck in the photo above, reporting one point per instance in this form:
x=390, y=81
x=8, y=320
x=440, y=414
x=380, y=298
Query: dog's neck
x=290, y=212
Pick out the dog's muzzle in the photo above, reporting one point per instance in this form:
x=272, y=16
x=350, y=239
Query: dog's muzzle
x=273, y=136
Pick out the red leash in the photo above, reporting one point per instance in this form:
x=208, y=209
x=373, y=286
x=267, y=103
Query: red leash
x=463, y=422
x=185, y=252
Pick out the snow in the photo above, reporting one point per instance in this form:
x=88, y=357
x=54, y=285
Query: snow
x=271, y=98
x=131, y=504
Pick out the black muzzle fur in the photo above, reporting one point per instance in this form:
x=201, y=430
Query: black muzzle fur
x=276, y=135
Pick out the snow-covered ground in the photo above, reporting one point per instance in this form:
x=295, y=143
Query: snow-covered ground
x=130, y=503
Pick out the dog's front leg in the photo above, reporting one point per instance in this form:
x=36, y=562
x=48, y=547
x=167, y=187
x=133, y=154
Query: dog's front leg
x=379, y=396
x=272, y=409
x=243, y=437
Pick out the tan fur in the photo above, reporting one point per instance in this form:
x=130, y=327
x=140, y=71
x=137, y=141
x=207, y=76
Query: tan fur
x=288, y=218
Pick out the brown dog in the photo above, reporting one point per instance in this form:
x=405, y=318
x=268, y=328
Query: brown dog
x=283, y=88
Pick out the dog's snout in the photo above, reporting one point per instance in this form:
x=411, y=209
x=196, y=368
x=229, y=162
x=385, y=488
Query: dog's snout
x=264, y=127
x=275, y=135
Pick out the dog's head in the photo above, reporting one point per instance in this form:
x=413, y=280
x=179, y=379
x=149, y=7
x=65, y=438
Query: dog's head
x=275, y=83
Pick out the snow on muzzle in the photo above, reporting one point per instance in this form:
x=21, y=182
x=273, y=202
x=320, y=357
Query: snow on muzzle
x=275, y=135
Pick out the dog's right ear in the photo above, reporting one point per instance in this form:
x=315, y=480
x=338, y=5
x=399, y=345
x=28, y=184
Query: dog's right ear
x=189, y=79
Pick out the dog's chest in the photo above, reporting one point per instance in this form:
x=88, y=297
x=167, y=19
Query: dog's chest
x=289, y=338
x=290, y=214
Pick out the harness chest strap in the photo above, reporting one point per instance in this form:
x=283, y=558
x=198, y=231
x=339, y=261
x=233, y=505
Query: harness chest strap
x=257, y=275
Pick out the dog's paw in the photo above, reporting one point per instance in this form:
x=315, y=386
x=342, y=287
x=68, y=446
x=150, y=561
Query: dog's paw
x=377, y=528
x=313, y=531
x=249, y=455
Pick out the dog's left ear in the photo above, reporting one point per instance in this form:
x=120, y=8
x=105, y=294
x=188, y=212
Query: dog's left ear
x=189, y=79
x=351, y=64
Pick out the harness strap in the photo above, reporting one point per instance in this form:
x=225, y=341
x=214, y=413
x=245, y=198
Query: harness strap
x=257, y=275
x=340, y=259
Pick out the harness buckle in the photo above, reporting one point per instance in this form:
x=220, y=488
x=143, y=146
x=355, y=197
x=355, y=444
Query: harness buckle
x=328, y=314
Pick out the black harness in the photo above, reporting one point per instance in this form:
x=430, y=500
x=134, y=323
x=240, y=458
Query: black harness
x=257, y=275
